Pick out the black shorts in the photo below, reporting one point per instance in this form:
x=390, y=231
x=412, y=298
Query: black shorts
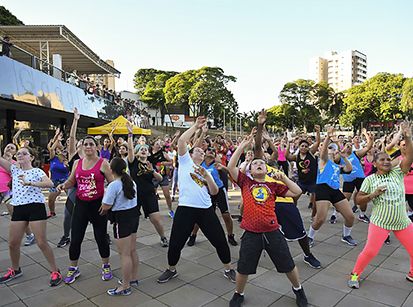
x=220, y=200
x=163, y=183
x=149, y=203
x=325, y=192
x=348, y=187
x=306, y=187
x=125, y=222
x=29, y=213
x=290, y=220
x=409, y=199
x=251, y=248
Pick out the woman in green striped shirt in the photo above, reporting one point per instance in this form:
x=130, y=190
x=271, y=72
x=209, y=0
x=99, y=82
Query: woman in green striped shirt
x=386, y=189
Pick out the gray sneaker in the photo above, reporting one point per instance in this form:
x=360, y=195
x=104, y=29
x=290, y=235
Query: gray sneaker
x=164, y=242
x=349, y=240
x=231, y=275
x=354, y=281
x=167, y=276
x=30, y=239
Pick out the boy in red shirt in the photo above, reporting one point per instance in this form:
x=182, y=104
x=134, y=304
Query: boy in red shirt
x=260, y=224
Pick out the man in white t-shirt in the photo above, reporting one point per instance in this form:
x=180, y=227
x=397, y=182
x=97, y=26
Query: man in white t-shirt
x=195, y=207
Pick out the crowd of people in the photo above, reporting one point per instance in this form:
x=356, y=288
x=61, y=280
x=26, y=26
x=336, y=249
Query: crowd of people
x=117, y=180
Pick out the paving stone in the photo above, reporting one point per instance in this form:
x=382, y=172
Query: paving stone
x=193, y=253
x=84, y=303
x=320, y=295
x=256, y=296
x=381, y=293
x=187, y=296
x=389, y=277
x=15, y=304
x=7, y=296
x=61, y=296
x=189, y=271
x=29, y=288
x=284, y=301
x=136, y=297
x=330, y=278
x=151, y=303
x=400, y=263
x=409, y=301
x=91, y=287
x=219, y=302
x=214, y=283
x=353, y=301
x=151, y=287
x=30, y=272
x=273, y=281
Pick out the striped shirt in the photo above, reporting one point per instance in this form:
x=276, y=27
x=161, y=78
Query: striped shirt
x=389, y=209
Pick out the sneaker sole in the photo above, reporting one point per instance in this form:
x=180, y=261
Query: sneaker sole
x=408, y=278
x=364, y=221
x=227, y=277
x=73, y=280
x=55, y=285
x=166, y=280
x=104, y=279
x=10, y=279
x=354, y=287
x=348, y=243
x=30, y=244
x=314, y=267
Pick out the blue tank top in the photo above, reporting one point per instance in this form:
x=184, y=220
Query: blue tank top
x=357, y=171
x=330, y=175
x=214, y=173
x=105, y=154
x=58, y=170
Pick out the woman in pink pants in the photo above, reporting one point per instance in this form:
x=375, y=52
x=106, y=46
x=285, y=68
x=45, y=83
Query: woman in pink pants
x=386, y=189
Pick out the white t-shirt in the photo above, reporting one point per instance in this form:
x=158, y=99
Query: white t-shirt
x=23, y=195
x=193, y=190
x=114, y=196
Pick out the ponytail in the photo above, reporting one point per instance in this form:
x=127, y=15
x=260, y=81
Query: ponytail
x=118, y=166
x=127, y=185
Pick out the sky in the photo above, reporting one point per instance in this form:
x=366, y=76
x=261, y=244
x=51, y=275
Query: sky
x=263, y=43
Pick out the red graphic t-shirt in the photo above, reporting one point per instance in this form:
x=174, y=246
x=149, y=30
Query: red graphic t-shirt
x=259, y=203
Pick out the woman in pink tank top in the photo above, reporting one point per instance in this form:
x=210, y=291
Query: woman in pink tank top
x=89, y=174
x=408, y=179
x=368, y=162
x=282, y=160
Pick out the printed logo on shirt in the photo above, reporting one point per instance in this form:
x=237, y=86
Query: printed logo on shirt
x=198, y=180
x=260, y=193
x=305, y=166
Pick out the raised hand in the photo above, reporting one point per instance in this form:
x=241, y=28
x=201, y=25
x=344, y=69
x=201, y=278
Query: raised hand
x=330, y=131
x=204, y=129
x=262, y=117
x=176, y=134
x=246, y=141
x=201, y=171
x=406, y=129
x=200, y=122
x=129, y=126
x=317, y=128
x=76, y=114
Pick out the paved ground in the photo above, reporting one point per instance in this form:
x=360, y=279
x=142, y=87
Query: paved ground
x=200, y=281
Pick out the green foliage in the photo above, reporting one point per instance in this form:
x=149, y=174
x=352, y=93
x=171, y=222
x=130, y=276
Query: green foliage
x=8, y=19
x=112, y=110
x=377, y=99
x=406, y=104
x=204, y=91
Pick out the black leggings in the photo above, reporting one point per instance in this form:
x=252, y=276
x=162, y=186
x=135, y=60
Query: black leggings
x=69, y=206
x=409, y=199
x=184, y=221
x=83, y=213
x=284, y=166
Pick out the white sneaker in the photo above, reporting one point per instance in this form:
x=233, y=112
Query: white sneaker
x=30, y=239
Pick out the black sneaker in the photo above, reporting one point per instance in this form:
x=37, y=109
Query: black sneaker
x=10, y=275
x=167, y=276
x=164, y=242
x=355, y=209
x=237, y=300
x=231, y=275
x=231, y=240
x=300, y=298
x=312, y=261
x=349, y=240
x=333, y=219
x=191, y=241
x=364, y=219
x=387, y=241
x=63, y=242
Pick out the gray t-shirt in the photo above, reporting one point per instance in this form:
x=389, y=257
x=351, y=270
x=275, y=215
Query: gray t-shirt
x=114, y=196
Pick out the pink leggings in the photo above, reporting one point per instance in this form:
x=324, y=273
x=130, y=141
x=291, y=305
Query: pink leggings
x=375, y=239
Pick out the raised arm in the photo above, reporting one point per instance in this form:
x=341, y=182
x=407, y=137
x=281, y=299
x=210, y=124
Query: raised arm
x=314, y=147
x=175, y=138
x=406, y=163
x=71, y=148
x=198, y=141
x=4, y=163
x=370, y=139
x=262, y=118
x=112, y=140
x=395, y=140
x=288, y=155
x=274, y=155
x=186, y=136
x=131, y=156
x=16, y=136
x=232, y=165
x=324, y=148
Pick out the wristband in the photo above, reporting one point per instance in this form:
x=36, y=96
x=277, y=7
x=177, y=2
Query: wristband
x=130, y=135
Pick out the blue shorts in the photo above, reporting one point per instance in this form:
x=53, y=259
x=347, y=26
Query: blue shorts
x=291, y=223
x=56, y=182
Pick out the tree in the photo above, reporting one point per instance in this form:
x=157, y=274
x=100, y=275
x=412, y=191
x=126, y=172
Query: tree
x=112, y=110
x=281, y=117
x=204, y=91
x=149, y=84
x=298, y=93
x=8, y=19
x=377, y=99
x=406, y=104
